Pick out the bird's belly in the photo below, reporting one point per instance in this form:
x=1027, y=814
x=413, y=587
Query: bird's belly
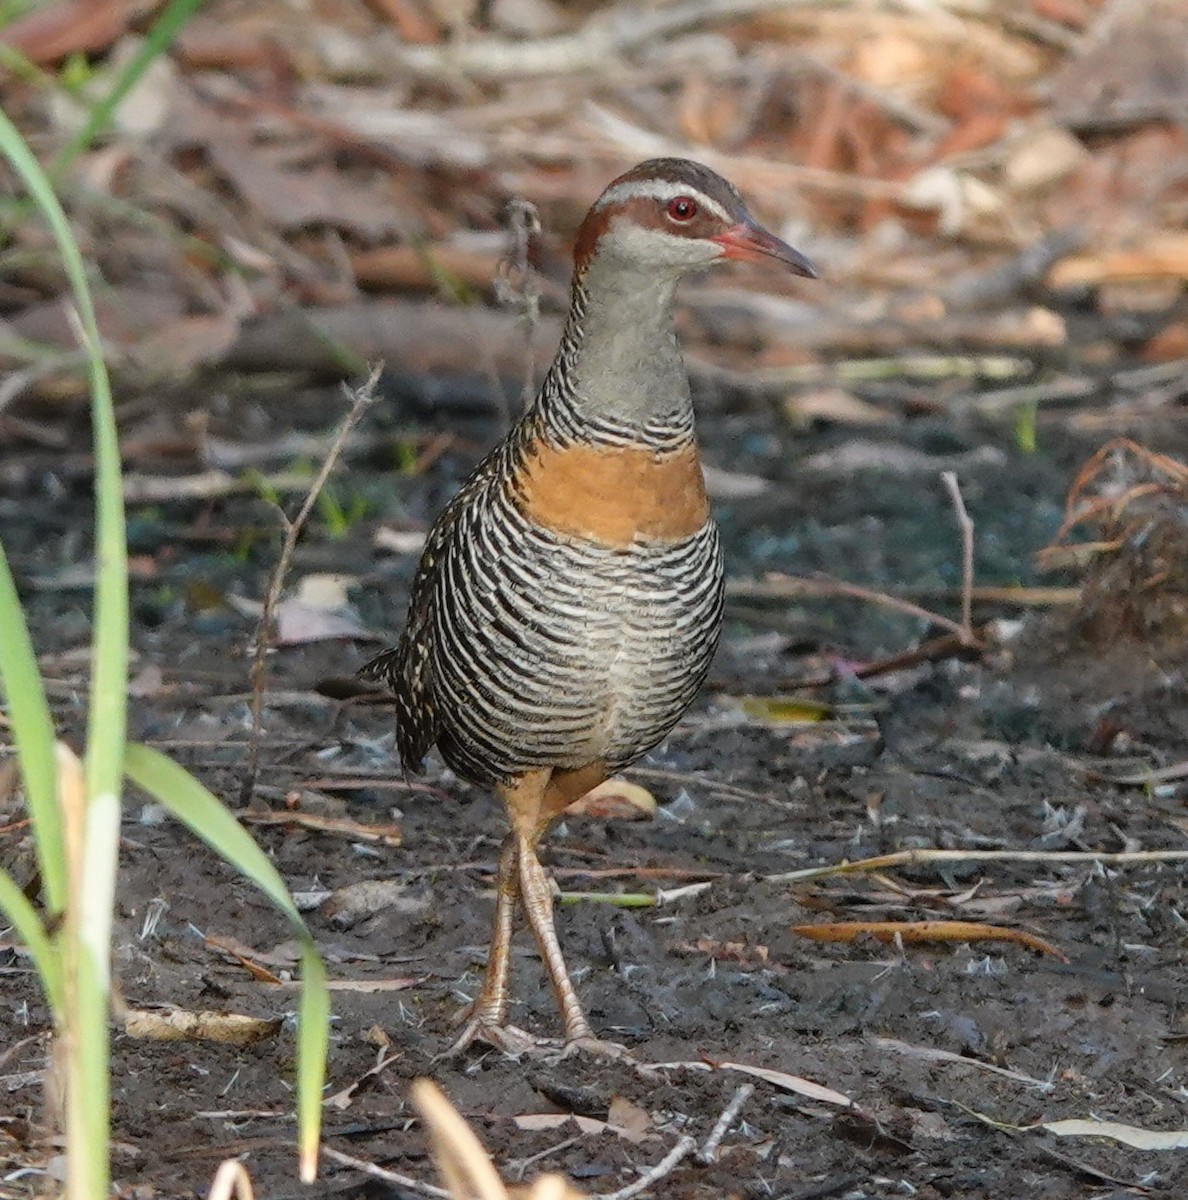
x=571, y=654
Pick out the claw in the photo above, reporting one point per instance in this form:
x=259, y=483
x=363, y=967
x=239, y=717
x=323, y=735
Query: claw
x=597, y=1048
x=509, y=1038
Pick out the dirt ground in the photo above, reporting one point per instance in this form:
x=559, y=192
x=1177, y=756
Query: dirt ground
x=948, y=1051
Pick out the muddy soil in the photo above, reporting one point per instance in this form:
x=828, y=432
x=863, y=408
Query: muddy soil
x=950, y=1052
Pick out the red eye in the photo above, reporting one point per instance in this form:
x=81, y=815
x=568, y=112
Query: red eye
x=683, y=208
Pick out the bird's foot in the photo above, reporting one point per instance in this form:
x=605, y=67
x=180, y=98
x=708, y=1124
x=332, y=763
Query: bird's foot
x=519, y=1043
x=596, y=1047
x=508, y=1038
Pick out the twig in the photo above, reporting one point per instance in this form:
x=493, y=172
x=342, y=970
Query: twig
x=916, y=858
x=777, y=586
x=522, y=1165
x=664, y=1167
x=917, y=119
x=594, y=46
x=709, y=1150
x=929, y=1054
x=994, y=287
x=362, y=398
x=378, y=1172
x=516, y=284
x=936, y=649
x=949, y=479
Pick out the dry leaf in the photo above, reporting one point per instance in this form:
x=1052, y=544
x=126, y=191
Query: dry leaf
x=1162, y=255
x=789, y=1083
x=534, y=1122
x=837, y=406
x=926, y=931
x=629, y=1120
x=365, y=986
x=179, y=1024
x=54, y=31
x=354, y=903
x=399, y=541
x=1128, y=1135
x=615, y=800
x=1041, y=158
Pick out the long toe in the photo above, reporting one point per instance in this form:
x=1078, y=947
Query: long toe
x=510, y=1039
x=597, y=1048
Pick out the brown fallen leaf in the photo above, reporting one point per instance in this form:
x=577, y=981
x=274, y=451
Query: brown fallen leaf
x=181, y=1025
x=927, y=931
x=367, y=986
x=49, y=34
x=787, y=1082
x=1161, y=255
x=628, y=1119
x=357, y=901
x=286, y=197
x=245, y=956
x=742, y=953
x=387, y=835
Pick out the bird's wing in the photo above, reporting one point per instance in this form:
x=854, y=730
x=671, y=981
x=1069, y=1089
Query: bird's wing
x=407, y=668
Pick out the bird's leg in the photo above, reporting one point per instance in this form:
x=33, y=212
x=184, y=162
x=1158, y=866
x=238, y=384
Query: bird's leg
x=490, y=1005
x=537, y=897
x=488, y=1011
x=538, y=908
x=534, y=801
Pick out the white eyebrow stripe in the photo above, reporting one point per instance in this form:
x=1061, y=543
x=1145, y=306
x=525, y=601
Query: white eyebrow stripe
x=660, y=189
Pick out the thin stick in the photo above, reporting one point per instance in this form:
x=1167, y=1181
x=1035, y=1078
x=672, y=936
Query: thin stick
x=776, y=586
x=596, y=44
x=903, y=858
x=965, y=524
x=516, y=284
x=664, y=1167
x=709, y=1151
x=378, y=1172
x=362, y=398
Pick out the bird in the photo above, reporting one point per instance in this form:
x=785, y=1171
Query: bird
x=569, y=598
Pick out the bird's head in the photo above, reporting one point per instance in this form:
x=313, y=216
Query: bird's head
x=671, y=215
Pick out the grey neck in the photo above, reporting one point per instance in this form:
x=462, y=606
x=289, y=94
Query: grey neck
x=618, y=376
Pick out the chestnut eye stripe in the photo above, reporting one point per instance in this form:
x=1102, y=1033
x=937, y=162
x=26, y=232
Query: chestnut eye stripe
x=663, y=190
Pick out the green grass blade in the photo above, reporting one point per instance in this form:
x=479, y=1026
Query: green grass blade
x=17, y=909
x=313, y=1038
x=86, y=979
x=109, y=669
x=33, y=734
x=158, y=40
x=192, y=804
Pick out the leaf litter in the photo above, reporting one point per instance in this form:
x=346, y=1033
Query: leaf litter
x=997, y=200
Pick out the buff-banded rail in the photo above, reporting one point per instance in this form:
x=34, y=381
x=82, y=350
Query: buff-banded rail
x=569, y=598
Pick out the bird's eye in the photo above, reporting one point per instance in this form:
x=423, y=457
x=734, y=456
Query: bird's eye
x=682, y=208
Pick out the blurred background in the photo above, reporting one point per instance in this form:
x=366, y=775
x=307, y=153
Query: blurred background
x=274, y=194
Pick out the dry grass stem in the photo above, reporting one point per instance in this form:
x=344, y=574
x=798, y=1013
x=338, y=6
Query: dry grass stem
x=361, y=399
x=788, y=586
x=915, y=858
x=231, y=1182
x=516, y=284
x=965, y=524
x=459, y=1155
x=596, y=45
